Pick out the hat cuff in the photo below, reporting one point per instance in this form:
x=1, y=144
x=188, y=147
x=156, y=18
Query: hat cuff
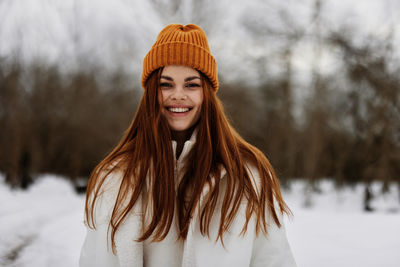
x=180, y=53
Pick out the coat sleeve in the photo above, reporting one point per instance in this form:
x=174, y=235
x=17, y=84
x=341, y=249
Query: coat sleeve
x=96, y=249
x=271, y=249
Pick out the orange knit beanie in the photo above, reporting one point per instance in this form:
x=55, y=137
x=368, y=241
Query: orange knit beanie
x=181, y=45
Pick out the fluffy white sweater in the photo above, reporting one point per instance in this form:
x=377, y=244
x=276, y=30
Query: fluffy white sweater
x=272, y=250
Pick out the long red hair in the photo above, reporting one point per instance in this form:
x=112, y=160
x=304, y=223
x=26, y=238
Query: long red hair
x=146, y=146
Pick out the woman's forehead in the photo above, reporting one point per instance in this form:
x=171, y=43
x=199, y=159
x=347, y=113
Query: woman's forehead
x=179, y=70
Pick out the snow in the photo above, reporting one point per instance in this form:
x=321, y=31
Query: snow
x=43, y=226
x=336, y=232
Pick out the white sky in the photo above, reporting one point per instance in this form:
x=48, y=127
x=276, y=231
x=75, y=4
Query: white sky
x=118, y=33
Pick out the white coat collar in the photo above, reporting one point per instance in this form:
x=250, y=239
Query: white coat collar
x=186, y=147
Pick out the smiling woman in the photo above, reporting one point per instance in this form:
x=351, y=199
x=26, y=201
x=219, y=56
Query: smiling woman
x=182, y=188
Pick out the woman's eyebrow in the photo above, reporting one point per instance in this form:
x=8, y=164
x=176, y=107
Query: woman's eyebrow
x=186, y=79
x=166, y=77
x=191, y=78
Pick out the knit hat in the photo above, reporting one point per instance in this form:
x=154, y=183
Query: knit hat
x=181, y=45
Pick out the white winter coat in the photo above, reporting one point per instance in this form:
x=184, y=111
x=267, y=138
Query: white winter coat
x=272, y=250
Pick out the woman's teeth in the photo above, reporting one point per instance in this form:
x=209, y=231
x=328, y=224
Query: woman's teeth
x=178, y=110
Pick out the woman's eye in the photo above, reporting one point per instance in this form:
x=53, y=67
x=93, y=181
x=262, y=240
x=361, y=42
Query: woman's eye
x=165, y=85
x=193, y=85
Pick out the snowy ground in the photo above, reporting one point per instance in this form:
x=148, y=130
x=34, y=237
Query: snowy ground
x=335, y=231
x=43, y=226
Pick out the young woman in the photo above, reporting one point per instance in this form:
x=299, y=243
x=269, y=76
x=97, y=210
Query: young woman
x=182, y=188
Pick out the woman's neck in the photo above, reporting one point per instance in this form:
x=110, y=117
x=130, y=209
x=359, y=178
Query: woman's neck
x=181, y=137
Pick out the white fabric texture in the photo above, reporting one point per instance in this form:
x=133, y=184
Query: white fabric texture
x=272, y=250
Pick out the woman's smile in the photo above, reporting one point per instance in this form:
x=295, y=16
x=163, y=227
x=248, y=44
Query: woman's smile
x=179, y=110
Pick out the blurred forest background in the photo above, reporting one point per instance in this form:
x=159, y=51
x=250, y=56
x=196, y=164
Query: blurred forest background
x=320, y=95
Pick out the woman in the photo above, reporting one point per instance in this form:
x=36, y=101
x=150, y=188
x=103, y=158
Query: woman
x=182, y=188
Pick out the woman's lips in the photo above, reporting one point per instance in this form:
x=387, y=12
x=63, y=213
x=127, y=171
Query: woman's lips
x=178, y=111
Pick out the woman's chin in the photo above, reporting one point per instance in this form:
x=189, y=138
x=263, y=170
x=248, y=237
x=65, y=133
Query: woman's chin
x=180, y=128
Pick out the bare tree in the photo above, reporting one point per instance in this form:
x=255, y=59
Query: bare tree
x=374, y=99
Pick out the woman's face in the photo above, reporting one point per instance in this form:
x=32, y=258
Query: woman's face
x=181, y=96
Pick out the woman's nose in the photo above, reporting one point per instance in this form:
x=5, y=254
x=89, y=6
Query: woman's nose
x=179, y=93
